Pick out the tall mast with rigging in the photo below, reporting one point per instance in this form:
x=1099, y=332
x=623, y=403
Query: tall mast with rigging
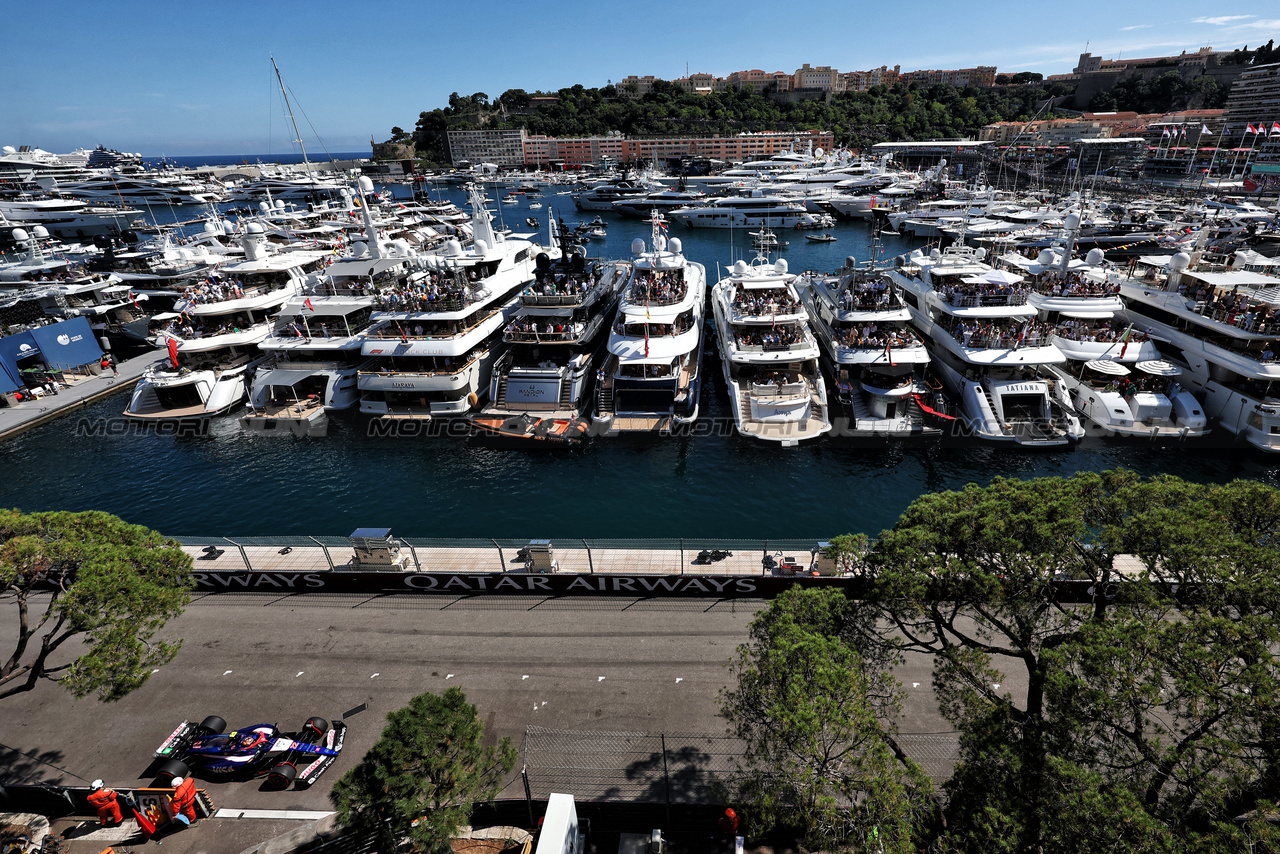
x=296, y=134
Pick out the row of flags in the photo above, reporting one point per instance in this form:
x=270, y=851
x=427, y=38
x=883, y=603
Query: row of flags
x=1261, y=127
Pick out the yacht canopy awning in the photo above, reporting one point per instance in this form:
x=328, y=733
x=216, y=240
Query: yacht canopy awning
x=1234, y=278
x=1087, y=315
x=1113, y=369
x=1159, y=368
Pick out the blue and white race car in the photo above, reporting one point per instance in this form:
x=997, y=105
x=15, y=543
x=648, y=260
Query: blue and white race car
x=284, y=758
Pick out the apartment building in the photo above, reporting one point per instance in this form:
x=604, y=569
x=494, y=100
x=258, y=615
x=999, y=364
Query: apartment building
x=983, y=75
x=501, y=147
x=1254, y=98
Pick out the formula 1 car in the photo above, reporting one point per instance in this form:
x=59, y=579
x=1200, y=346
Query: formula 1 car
x=283, y=757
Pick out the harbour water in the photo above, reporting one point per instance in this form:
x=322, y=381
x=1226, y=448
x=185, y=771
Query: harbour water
x=712, y=484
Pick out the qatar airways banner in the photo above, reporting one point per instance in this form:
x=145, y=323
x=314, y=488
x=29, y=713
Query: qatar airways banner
x=705, y=586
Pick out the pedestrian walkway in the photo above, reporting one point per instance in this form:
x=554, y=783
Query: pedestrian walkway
x=31, y=413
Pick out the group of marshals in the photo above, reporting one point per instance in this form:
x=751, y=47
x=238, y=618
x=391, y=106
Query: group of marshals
x=107, y=802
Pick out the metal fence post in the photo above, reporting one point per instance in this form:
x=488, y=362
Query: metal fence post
x=502, y=567
x=325, y=549
x=417, y=563
x=682, y=555
x=666, y=775
x=528, y=793
x=244, y=556
x=591, y=567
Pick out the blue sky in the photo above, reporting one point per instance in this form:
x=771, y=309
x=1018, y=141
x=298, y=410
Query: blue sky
x=177, y=79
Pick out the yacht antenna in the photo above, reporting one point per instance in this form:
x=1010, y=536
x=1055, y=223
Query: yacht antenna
x=296, y=133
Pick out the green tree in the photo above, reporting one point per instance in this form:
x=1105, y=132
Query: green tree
x=849, y=552
x=817, y=755
x=91, y=583
x=1157, y=700
x=420, y=780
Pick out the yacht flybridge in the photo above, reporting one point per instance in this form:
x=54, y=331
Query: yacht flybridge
x=769, y=355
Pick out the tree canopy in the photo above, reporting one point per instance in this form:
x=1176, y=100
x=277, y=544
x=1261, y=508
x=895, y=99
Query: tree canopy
x=1142, y=720
x=421, y=778
x=90, y=582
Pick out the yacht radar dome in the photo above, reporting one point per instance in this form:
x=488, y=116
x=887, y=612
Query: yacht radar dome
x=359, y=249
x=481, y=247
x=979, y=253
x=1045, y=258
x=366, y=186
x=1180, y=261
x=9, y=149
x=674, y=245
x=1072, y=222
x=850, y=262
x=1095, y=257
x=255, y=228
x=452, y=248
x=20, y=235
x=781, y=265
x=740, y=268
x=39, y=232
x=637, y=246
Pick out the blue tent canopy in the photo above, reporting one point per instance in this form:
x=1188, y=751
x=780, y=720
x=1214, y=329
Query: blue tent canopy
x=68, y=344
x=13, y=348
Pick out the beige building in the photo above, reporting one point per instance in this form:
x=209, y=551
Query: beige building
x=1254, y=98
x=632, y=86
x=861, y=81
x=983, y=75
x=502, y=147
x=823, y=77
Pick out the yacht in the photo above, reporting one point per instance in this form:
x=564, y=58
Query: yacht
x=769, y=354
x=987, y=346
x=652, y=375
x=870, y=349
x=213, y=336
x=431, y=350
x=313, y=353
x=663, y=201
x=540, y=385
x=1219, y=327
x=601, y=197
x=289, y=188
x=68, y=218
x=144, y=189
x=1113, y=376
x=754, y=209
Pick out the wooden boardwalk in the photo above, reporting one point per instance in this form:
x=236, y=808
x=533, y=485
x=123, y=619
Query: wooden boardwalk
x=83, y=391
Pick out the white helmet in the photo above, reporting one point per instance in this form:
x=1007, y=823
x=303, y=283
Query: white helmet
x=177, y=781
x=96, y=784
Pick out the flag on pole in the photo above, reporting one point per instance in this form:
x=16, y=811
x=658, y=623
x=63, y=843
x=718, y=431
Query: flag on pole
x=173, y=351
x=133, y=298
x=1164, y=133
x=308, y=304
x=1275, y=128
x=1205, y=129
x=1124, y=339
x=888, y=352
x=1251, y=129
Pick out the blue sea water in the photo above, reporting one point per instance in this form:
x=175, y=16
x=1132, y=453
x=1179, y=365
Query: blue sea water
x=192, y=161
x=715, y=484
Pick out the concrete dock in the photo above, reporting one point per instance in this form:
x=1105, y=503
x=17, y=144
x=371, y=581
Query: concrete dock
x=80, y=392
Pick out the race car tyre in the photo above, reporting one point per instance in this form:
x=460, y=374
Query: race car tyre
x=213, y=725
x=282, y=774
x=173, y=768
x=318, y=725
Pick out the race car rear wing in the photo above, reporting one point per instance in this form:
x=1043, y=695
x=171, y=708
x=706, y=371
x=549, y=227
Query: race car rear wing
x=177, y=741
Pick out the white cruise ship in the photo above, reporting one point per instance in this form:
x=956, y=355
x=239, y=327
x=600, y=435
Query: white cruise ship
x=1220, y=327
x=987, y=346
x=769, y=354
x=870, y=349
x=213, y=337
x=753, y=210
x=432, y=347
x=1113, y=375
x=652, y=376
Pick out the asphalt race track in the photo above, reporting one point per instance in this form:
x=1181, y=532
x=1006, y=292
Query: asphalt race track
x=618, y=665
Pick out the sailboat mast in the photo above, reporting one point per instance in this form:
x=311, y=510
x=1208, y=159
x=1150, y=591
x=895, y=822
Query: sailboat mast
x=296, y=134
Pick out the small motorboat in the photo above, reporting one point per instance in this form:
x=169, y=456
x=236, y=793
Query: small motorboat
x=533, y=223
x=825, y=237
x=509, y=199
x=596, y=233
x=536, y=206
x=531, y=428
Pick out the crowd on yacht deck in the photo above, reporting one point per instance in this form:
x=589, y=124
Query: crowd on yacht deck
x=778, y=336
x=1105, y=333
x=870, y=336
x=764, y=301
x=985, y=293
x=994, y=336
x=1073, y=285
x=867, y=296
x=659, y=287
x=434, y=292
x=551, y=329
x=1234, y=309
